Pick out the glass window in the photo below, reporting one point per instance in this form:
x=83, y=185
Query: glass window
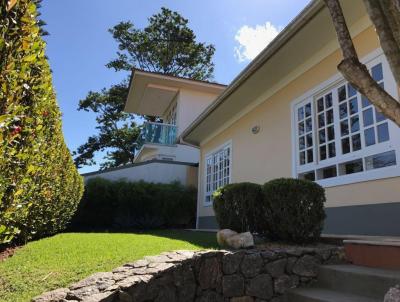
x=342, y=129
x=381, y=160
x=217, y=171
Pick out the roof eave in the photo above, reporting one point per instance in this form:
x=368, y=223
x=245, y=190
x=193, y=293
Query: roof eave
x=285, y=35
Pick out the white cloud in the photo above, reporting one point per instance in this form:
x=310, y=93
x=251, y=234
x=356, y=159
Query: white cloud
x=252, y=40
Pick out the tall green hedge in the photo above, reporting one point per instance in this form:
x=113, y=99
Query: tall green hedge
x=39, y=185
x=135, y=205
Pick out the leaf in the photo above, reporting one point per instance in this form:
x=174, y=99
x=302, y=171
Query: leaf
x=30, y=58
x=11, y=4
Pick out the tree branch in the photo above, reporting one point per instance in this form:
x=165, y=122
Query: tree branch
x=380, y=13
x=357, y=73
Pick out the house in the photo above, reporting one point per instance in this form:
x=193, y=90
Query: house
x=175, y=103
x=290, y=113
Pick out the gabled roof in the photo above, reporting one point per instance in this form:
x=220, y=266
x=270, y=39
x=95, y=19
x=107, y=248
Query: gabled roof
x=311, y=31
x=150, y=93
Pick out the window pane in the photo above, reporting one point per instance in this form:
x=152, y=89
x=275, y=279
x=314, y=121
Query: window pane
x=353, y=106
x=351, y=167
x=332, y=150
x=322, y=152
x=331, y=133
x=355, y=124
x=383, y=133
x=301, y=128
x=300, y=113
x=343, y=110
x=365, y=102
x=380, y=160
x=356, y=142
x=309, y=140
x=302, y=158
x=307, y=109
x=379, y=116
x=344, y=127
x=308, y=125
x=369, y=135
x=368, y=117
x=320, y=104
x=329, y=116
x=351, y=90
x=321, y=120
x=327, y=172
x=302, y=143
x=322, y=138
x=377, y=73
x=308, y=175
x=342, y=93
x=345, y=145
x=328, y=100
x=310, y=156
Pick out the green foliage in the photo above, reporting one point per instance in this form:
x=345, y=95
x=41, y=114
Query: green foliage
x=293, y=209
x=39, y=185
x=140, y=205
x=166, y=45
x=237, y=206
x=117, y=130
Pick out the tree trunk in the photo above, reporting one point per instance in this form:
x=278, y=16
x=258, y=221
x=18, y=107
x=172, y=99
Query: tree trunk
x=357, y=73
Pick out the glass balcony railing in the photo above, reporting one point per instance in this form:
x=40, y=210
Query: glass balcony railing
x=156, y=133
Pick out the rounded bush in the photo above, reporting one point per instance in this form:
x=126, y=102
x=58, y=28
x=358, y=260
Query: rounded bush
x=293, y=210
x=237, y=205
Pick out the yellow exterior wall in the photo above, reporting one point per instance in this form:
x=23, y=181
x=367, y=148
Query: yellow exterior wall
x=268, y=155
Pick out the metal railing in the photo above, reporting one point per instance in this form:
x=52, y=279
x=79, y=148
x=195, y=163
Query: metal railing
x=156, y=133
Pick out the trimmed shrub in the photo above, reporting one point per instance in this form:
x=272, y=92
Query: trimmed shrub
x=293, y=210
x=39, y=184
x=237, y=207
x=139, y=205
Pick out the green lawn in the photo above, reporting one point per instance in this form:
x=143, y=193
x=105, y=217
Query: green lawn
x=60, y=260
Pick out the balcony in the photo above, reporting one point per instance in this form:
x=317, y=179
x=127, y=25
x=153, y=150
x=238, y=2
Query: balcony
x=156, y=133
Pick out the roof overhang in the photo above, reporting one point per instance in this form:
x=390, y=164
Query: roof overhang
x=151, y=93
x=309, y=33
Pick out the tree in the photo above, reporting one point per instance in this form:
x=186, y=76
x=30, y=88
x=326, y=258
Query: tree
x=40, y=187
x=385, y=15
x=166, y=45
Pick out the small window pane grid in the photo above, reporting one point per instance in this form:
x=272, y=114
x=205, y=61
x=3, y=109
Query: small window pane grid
x=305, y=134
x=346, y=123
x=217, y=171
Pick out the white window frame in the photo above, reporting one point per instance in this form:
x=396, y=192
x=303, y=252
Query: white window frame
x=207, y=156
x=370, y=60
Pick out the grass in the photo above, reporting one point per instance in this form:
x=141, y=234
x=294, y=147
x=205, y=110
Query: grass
x=57, y=261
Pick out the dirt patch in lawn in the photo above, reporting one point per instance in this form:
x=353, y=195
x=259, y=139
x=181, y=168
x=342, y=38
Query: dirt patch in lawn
x=6, y=252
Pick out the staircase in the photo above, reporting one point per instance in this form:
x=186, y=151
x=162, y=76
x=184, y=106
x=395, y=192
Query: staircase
x=347, y=283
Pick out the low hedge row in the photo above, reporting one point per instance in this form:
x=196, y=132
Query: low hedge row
x=283, y=209
x=40, y=187
x=123, y=205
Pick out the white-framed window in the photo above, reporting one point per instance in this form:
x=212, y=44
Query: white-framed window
x=339, y=136
x=217, y=170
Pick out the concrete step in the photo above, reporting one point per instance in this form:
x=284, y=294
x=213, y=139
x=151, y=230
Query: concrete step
x=358, y=280
x=324, y=295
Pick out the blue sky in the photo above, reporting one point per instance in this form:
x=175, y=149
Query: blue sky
x=79, y=44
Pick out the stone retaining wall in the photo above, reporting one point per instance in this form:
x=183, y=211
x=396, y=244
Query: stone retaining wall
x=205, y=276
